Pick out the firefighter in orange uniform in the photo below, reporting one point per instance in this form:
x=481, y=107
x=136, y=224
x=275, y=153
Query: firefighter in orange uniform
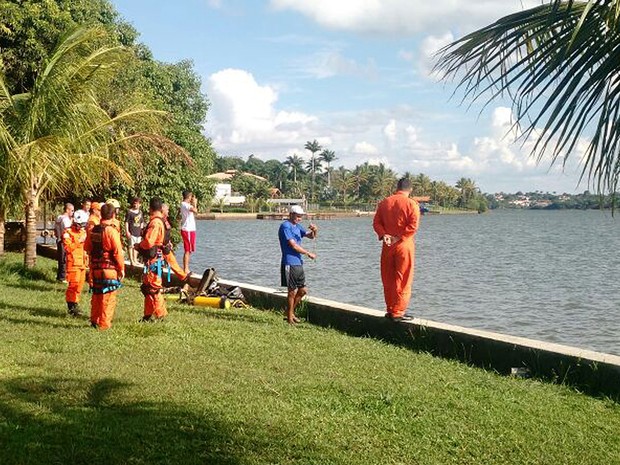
x=73, y=241
x=107, y=268
x=117, y=208
x=168, y=250
x=151, y=251
x=95, y=216
x=396, y=222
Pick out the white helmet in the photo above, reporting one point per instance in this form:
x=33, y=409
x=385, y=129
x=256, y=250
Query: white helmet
x=80, y=217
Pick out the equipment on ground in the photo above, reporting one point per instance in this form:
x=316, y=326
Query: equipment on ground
x=208, y=293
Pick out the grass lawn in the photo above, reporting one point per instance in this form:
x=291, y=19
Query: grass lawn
x=242, y=387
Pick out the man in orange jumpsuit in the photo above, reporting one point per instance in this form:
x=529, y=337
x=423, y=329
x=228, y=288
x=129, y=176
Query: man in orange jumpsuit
x=168, y=250
x=117, y=208
x=95, y=216
x=107, y=268
x=151, y=250
x=73, y=241
x=396, y=221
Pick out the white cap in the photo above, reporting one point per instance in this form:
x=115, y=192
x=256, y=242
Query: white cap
x=296, y=209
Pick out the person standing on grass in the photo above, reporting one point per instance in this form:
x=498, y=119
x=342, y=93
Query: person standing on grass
x=85, y=210
x=95, y=216
x=73, y=240
x=188, y=227
x=168, y=249
x=151, y=250
x=62, y=223
x=107, y=268
x=134, y=223
x=396, y=222
x=292, y=274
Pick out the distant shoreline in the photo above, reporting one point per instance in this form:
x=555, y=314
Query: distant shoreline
x=321, y=214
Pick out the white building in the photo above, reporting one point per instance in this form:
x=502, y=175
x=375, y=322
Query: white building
x=224, y=191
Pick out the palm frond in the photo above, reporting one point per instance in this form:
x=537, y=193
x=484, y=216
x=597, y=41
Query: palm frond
x=559, y=64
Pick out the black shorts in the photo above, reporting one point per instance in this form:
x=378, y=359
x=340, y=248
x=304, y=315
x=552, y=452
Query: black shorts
x=292, y=276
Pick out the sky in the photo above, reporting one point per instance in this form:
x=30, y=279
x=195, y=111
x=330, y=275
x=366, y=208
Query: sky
x=356, y=75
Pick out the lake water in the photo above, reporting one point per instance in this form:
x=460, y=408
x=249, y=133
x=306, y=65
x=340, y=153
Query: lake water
x=548, y=275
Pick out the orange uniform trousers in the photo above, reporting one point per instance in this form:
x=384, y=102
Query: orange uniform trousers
x=103, y=306
x=154, y=302
x=397, y=263
x=76, y=278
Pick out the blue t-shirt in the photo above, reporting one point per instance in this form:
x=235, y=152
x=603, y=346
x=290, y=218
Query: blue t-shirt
x=287, y=232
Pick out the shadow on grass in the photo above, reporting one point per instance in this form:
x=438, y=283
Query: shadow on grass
x=57, y=420
x=34, y=286
x=228, y=314
x=37, y=311
x=28, y=273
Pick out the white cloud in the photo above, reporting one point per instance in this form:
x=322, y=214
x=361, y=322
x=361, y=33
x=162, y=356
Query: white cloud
x=364, y=148
x=243, y=113
x=245, y=119
x=390, y=130
x=402, y=17
x=428, y=49
x=330, y=63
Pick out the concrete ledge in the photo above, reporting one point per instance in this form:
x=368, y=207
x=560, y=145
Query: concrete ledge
x=589, y=371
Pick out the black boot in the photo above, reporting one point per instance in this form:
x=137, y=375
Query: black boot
x=73, y=309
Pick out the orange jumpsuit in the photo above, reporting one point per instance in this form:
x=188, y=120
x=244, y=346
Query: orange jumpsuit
x=169, y=255
x=93, y=220
x=107, y=267
x=152, y=283
x=397, y=215
x=73, y=241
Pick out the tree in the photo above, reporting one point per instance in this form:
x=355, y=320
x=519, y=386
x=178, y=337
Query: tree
x=360, y=175
x=421, y=184
x=468, y=190
x=558, y=63
x=58, y=132
x=295, y=164
x=312, y=147
x=344, y=181
x=328, y=156
x=31, y=29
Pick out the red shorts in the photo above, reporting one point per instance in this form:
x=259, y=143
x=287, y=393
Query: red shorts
x=189, y=241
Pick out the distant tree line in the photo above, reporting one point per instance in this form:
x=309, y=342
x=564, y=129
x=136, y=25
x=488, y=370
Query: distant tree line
x=318, y=181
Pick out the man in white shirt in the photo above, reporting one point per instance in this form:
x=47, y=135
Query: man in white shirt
x=188, y=227
x=63, y=222
x=85, y=209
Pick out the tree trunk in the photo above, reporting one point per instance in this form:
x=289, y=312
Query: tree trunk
x=31, y=208
x=2, y=229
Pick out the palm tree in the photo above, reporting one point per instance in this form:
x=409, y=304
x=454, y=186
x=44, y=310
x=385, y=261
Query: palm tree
x=468, y=190
x=344, y=182
x=328, y=156
x=360, y=175
x=422, y=184
x=294, y=163
x=558, y=63
x=383, y=181
x=313, y=147
x=57, y=133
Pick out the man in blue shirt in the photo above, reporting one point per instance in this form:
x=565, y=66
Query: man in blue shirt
x=291, y=270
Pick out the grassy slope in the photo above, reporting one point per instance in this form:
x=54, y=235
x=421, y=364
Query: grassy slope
x=241, y=387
